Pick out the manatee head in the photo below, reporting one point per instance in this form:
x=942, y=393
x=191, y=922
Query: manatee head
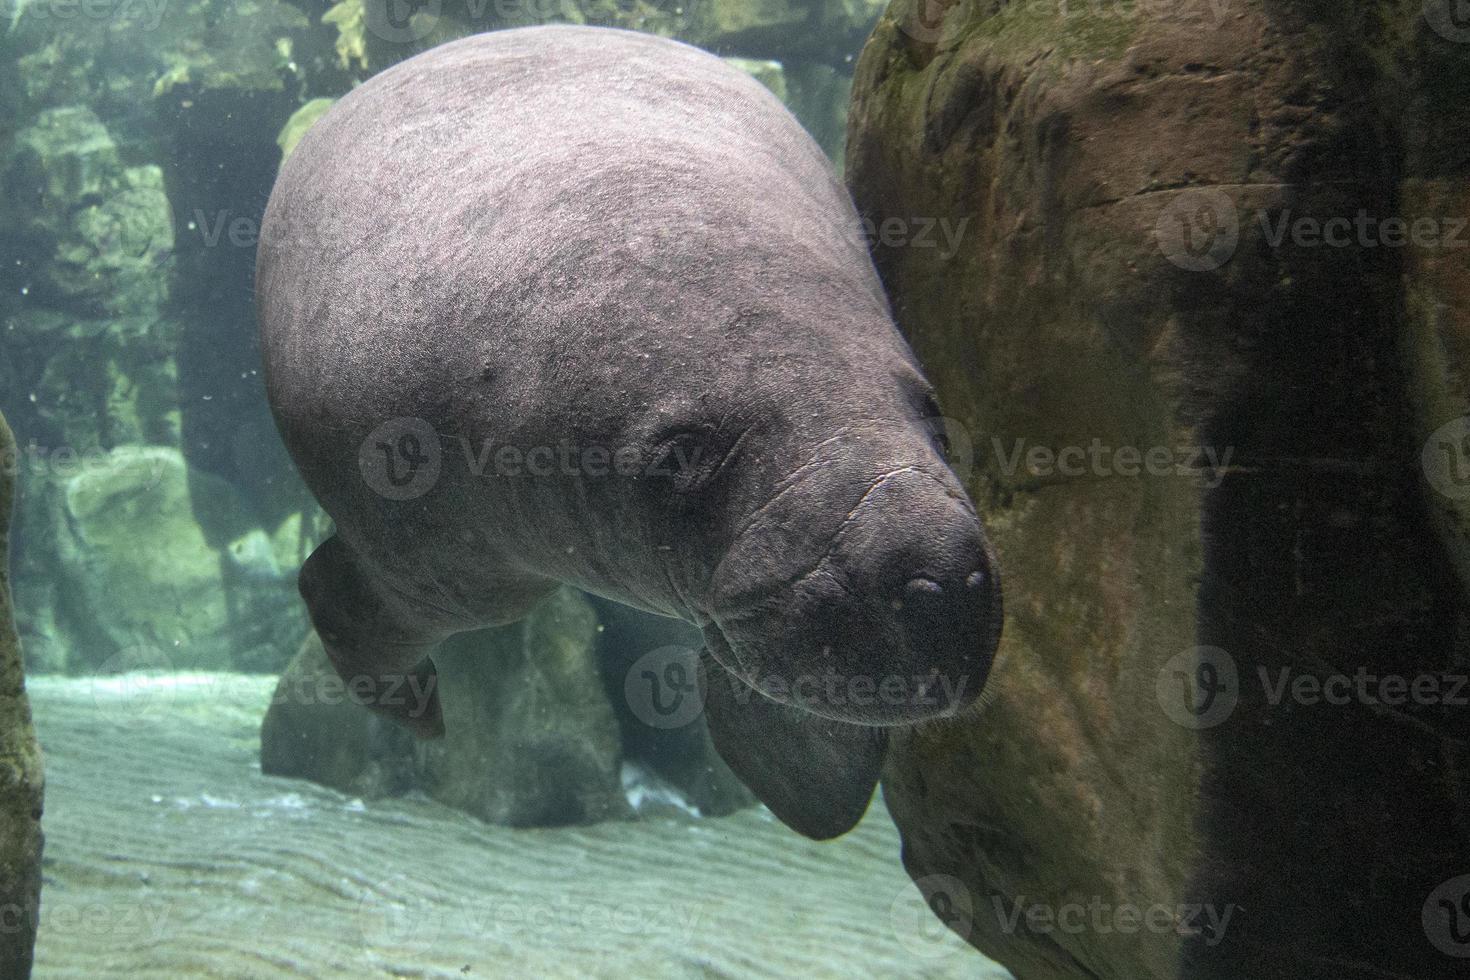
x=854, y=578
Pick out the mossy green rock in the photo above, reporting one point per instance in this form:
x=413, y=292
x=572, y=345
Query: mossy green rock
x=531, y=739
x=1118, y=173
x=301, y=120
x=95, y=233
x=21, y=783
x=122, y=570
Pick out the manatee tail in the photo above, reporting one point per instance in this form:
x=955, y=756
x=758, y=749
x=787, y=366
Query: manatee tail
x=377, y=650
x=816, y=775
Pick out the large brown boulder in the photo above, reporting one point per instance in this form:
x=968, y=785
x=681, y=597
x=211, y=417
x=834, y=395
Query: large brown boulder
x=20, y=766
x=1226, y=737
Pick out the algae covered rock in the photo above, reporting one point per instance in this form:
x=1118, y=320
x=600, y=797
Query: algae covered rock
x=20, y=766
x=1178, y=364
x=531, y=739
x=544, y=723
x=300, y=121
x=124, y=566
x=95, y=234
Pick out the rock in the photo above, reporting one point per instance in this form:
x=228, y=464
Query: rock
x=93, y=234
x=768, y=73
x=540, y=730
x=93, y=383
x=121, y=556
x=300, y=122
x=1436, y=344
x=676, y=750
x=760, y=27
x=531, y=740
x=1111, y=183
x=21, y=782
x=313, y=731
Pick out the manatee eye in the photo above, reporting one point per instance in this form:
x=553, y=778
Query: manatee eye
x=934, y=422
x=684, y=461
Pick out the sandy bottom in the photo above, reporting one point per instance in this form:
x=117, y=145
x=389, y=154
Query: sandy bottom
x=168, y=854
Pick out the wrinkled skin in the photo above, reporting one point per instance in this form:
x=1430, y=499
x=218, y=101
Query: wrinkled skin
x=597, y=247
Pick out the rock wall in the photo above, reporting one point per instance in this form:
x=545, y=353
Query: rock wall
x=1194, y=387
x=20, y=766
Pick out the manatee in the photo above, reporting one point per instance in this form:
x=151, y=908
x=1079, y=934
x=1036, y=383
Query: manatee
x=566, y=305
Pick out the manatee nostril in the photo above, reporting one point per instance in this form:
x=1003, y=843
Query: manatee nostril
x=922, y=587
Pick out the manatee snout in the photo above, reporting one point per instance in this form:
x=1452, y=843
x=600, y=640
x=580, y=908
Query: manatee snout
x=895, y=622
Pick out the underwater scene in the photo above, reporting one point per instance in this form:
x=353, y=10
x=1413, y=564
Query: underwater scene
x=735, y=488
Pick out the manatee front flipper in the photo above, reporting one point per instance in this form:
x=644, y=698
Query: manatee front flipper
x=815, y=774
x=374, y=643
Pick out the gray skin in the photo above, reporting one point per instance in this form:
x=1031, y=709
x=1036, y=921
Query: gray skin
x=611, y=244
